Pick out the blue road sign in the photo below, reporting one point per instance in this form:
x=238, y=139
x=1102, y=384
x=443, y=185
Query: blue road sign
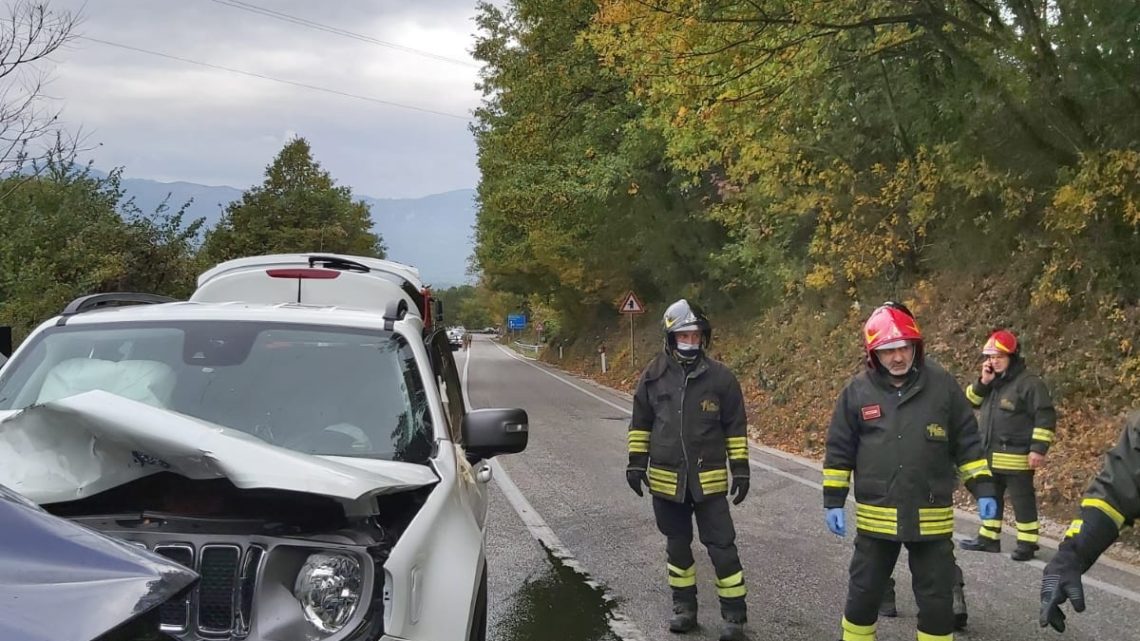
x=516, y=321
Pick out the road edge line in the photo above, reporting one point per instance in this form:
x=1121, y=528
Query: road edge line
x=621, y=626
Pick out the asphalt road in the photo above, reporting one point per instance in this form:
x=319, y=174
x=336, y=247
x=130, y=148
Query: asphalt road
x=568, y=491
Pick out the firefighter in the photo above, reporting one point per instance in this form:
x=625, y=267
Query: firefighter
x=903, y=426
x=687, y=441
x=1017, y=425
x=1112, y=502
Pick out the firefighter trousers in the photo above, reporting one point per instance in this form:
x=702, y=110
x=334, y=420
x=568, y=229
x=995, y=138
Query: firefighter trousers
x=933, y=572
x=714, y=522
x=1024, y=500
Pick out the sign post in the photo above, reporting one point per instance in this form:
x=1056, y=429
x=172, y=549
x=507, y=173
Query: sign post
x=631, y=306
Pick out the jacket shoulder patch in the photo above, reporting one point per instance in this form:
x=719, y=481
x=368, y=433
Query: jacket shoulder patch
x=871, y=412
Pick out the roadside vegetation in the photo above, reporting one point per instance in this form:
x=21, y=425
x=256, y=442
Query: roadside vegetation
x=792, y=164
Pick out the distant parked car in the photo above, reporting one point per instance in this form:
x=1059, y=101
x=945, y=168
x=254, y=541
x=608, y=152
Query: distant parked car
x=455, y=337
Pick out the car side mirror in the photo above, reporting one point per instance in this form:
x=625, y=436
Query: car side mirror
x=490, y=432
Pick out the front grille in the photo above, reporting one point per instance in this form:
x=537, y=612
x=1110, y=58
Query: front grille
x=175, y=615
x=222, y=602
x=219, y=571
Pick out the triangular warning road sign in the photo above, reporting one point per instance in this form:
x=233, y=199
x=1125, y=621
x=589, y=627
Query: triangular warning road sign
x=630, y=305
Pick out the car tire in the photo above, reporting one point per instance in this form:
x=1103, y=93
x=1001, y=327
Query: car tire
x=479, y=618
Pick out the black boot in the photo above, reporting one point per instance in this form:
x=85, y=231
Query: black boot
x=981, y=544
x=684, y=617
x=961, y=617
x=732, y=628
x=887, y=605
x=1024, y=551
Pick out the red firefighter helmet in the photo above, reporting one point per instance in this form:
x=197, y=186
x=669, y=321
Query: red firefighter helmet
x=891, y=326
x=1000, y=342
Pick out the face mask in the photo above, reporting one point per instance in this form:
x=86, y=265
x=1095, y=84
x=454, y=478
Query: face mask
x=688, y=349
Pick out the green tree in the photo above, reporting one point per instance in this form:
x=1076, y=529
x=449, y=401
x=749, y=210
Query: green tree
x=576, y=202
x=298, y=208
x=68, y=233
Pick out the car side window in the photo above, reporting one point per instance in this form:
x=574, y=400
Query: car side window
x=450, y=385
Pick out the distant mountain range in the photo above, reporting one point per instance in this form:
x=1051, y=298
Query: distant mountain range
x=434, y=233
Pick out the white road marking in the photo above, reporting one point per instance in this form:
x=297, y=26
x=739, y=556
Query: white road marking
x=1107, y=587
x=623, y=628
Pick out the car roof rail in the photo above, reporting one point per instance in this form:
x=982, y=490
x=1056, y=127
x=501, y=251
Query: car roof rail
x=336, y=262
x=109, y=299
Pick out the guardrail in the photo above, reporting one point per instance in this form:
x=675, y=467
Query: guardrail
x=523, y=347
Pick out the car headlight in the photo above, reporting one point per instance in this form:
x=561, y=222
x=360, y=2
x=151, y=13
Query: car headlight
x=328, y=589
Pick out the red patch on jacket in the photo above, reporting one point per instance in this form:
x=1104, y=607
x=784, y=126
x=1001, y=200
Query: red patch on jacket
x=871, y=412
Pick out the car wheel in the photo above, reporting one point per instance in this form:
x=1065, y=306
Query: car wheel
x=479, y=619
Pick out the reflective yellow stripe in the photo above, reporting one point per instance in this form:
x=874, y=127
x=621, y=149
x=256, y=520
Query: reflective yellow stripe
x=876, y=512
x=1028, y=537
x=836, y=478
x=713, y=488
x=935, y=513
x=681, y=572
x=639, y=448
x=682, y=581
x=1043, y=434
x=663, y=488
x=732, y=593
x=1028, y=527
x=1103, y=506
x=993, y=524
x=972, y=396
x=1074, y=528
x=713, y=475
x=852, y=632
x=737, y=441
x=922, y=636
x=935, y=529
x=973, y=469
x=638, y=435
x=880, y=527
x=731, y=580
x=738, y=454
x=681, y=578
x=664, y=475
x=1016, y=462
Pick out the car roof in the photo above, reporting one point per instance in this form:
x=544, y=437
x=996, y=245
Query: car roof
x=275, y=313
x=392, y=268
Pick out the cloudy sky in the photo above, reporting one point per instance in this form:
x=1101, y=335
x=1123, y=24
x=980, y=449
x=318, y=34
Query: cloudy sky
x=170, y=120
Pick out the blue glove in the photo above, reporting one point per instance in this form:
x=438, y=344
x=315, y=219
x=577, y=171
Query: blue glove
x=835, y=521
x=987, y=507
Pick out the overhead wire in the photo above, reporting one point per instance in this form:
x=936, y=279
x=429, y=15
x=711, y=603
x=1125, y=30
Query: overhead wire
x=262, y=76
x=311, y=24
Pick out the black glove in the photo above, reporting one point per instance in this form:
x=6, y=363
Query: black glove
x=739, y=489
x=636, y=478
x=1061, y=581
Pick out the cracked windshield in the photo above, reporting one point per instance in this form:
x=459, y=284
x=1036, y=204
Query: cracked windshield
x=569, y=320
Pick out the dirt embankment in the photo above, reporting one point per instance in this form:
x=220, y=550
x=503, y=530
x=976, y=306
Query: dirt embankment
x=793, y=361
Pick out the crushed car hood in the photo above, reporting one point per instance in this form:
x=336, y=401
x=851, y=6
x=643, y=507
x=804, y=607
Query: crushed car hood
x=63, y=581
x=84, y=444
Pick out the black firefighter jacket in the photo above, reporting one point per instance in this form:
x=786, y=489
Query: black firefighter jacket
x=906, y=447
x=686, y=426
x=1017, y=417
x=1112, y=500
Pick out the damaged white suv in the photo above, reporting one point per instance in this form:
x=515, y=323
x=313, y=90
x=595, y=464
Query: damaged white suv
x=292, y=433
